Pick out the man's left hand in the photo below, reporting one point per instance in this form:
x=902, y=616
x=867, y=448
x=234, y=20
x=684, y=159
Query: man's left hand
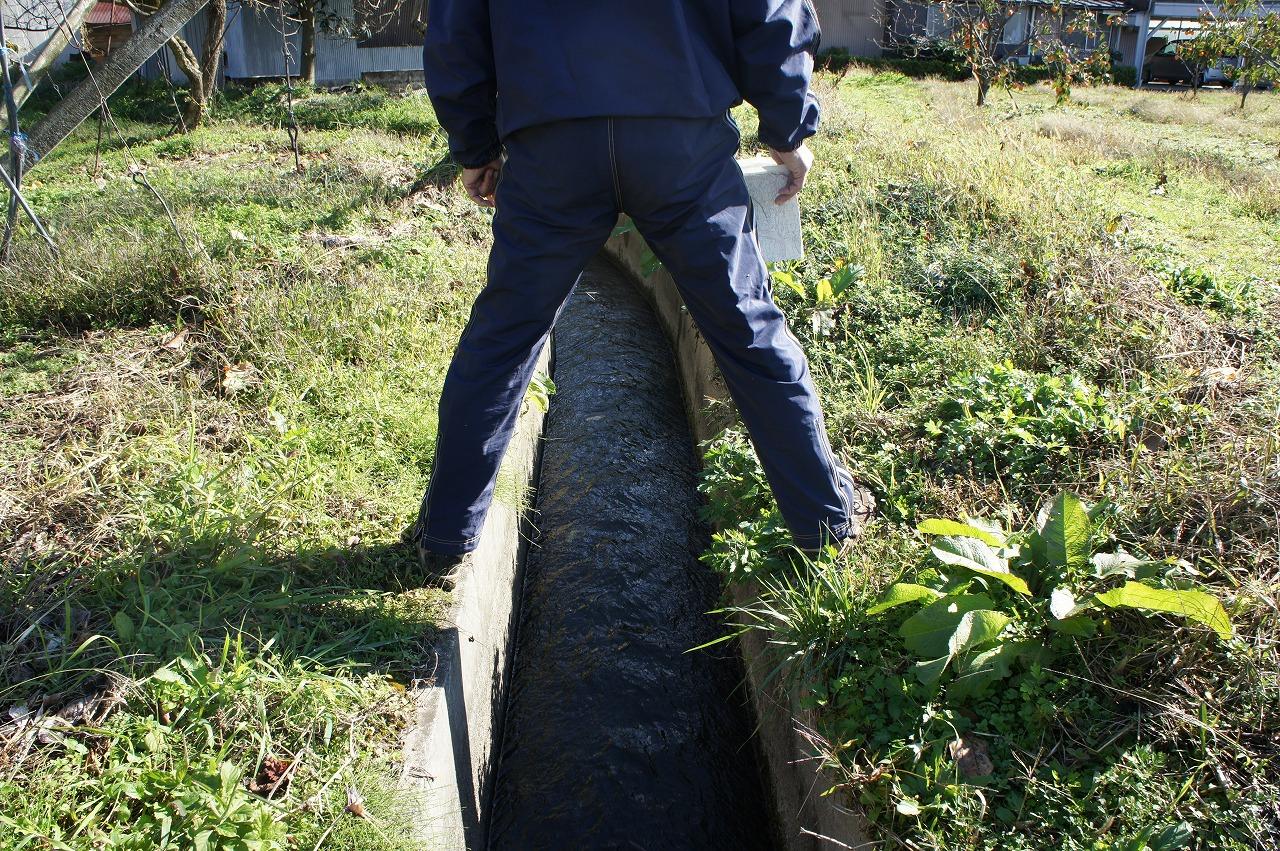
x=481, y=183
x=798, y=163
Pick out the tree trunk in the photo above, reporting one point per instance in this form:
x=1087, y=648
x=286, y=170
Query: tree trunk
x=307, y=69
x=190, y=66
x=201, y=72
x=211, y=50
x=984, y=86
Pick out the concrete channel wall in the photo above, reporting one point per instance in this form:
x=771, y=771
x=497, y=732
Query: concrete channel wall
x=807, y=820
x=452, y=746
x=451, y=749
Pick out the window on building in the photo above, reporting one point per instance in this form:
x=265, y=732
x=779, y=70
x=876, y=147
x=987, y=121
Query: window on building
x=1015, y=29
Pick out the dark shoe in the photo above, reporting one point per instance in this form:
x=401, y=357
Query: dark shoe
x=842, y=548
x=862, y=509
x=862, y=505
x=441, y=568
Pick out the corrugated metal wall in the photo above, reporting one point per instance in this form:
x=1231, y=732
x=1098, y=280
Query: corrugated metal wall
x=253, y=44
x=253, y=50
x=193, y=34
x=854, y=25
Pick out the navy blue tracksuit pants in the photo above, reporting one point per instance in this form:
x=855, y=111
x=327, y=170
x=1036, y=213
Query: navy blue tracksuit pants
x=562, y=188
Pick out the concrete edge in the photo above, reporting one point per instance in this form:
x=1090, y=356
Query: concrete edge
x=807, y=820
x=451, y=748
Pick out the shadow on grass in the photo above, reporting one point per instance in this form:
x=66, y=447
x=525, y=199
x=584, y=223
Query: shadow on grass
x=366, y=606
x=212, y=654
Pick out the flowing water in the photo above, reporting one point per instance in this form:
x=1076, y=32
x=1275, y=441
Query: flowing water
x=616, y=736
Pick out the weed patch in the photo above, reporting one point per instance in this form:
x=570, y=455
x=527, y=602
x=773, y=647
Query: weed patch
x=1051, y=298
x=210, y=631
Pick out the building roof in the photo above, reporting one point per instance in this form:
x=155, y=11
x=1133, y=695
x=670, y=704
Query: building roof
x=109, y=14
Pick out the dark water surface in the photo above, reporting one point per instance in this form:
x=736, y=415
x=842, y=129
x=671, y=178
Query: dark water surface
x=615, y=736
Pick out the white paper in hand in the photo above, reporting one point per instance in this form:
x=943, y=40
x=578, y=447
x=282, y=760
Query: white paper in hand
x=777, y=226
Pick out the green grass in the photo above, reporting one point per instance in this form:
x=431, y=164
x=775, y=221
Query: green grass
x=1076, y=298
x=207, y=456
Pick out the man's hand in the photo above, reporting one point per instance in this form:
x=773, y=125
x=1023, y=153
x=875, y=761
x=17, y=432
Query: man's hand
x=482, y=182
x=798, y=163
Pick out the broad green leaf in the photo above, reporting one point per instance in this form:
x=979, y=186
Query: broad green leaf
x=985, y=668
x=991, y=527
x=228, y=775
x=124, y=625
x=908, y=807
x=824, y=291
x=845, y=276
x=789, y=280
x=1172, y=838
x=900, y=593
x=939, y=526
x=167, y=675
x=928, y=672
x=973, y=554
x=1062, y=542
x=1196, y=605
x=1077, y=625
x=1122, y=564
x=975, y=629
x=928, y=632
x=154, y=741
x=1062, y=603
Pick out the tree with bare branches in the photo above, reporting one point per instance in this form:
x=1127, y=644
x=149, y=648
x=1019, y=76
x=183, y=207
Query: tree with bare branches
x=976, y=30
x=311, y=18
x=200, y=69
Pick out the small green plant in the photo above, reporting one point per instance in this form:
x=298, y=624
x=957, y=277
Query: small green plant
x=540, y=391
x=996, y=599
x=1199, y=288
x=827, y=290
x=827, y=293
x=1021, y=425
x=176, y=148
x=750, y=532
x=1168, y=838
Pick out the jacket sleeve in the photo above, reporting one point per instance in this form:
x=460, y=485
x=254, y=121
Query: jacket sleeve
x=457, y=62
x=775, y=41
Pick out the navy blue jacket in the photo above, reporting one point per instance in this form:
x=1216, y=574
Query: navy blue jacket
x=495, y=66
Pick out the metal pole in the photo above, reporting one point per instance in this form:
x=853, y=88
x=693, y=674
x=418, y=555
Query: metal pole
x=17, y=143
x=1144, y=32
x=26, y=208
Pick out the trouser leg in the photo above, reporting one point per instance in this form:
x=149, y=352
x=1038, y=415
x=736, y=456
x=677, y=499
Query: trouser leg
x=556, y=206
x=689, y=200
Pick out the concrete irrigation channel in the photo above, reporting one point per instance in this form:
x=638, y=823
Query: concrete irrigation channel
x=616, y=734
x=566, y=710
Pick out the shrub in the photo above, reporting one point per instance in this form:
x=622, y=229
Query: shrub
x=955, y=696
x=1124, y=75
x=1021, y=425
x=750, y=530
x=915, y=67
x=1199, y=288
